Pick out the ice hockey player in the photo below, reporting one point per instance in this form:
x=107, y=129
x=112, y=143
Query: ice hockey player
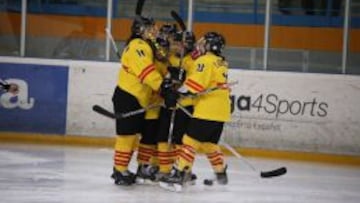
x=148, y=164
x=136, y=81
x=211, y=111
x=167, y=151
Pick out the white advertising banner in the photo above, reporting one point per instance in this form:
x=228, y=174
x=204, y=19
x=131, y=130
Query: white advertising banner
x=271, y=110
x=90, y=83
x=295, y=111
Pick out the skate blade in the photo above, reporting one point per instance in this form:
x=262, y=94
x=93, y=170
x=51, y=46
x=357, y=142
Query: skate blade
x=142, y=181
x=171, y=187
x=191, y=183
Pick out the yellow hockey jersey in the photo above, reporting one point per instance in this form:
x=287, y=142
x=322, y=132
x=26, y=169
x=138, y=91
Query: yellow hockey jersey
x=153, y=113
x=210, y=71
x=188, y=66
x=138, y=75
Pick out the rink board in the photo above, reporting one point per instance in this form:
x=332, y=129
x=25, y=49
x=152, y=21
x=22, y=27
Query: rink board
x=295, y=111
x=41, y=103
x=271, y=110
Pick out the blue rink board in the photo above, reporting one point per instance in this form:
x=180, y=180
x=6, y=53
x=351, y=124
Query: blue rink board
x=47, y=86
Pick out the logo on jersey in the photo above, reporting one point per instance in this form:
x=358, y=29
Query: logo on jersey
x=200, y=67
x=20, y=100
x=140, y=52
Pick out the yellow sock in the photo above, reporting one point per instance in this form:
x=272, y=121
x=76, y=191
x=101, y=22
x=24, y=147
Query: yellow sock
x=123, y=151
x=215, y=156
x=145, y=153
x=155, y=159
x=166, y=157
x=187, y=153
x=177, y=151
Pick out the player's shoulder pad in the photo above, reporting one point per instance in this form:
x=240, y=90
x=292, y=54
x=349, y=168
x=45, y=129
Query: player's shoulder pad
x=140, y=44
x=203, y=59
x=220, y=61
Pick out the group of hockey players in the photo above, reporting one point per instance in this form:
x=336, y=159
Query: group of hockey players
x=182, y=85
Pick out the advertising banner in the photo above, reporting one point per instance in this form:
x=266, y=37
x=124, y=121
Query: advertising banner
x=40, y=106
x=295, y=111
x=89, y=84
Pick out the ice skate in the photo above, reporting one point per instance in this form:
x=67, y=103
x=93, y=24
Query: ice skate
x=123, y=178
x=146, y=174
x=175, y=180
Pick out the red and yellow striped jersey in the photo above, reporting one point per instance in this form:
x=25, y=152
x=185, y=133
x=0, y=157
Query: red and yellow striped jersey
x=138, y=75
x=210, y=71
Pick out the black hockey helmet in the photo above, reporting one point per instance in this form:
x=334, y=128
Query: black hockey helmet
x=163, y=42
x=214, y=42
x=189, y=39
x=168, y=29
x=161, y=48
x=140, y=24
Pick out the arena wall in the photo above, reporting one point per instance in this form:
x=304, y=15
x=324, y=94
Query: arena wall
x=271, y=110
x=244, y=35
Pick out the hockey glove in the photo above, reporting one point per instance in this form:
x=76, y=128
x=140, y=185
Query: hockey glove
x=169, y=94
x=177, y=74
x=166, y=86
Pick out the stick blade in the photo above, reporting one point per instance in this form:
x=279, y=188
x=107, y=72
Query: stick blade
x=139, y=7
x=102, y=111
x=273, y=173
x=178, y=19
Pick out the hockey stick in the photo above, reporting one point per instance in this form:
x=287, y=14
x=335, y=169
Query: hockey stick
x=173, y=110
x=222, y=86
x=104, y=112
x=171, y=127
x=139, y=7
x=178, y=19
x=138, y=11
x=264, y=174
x=108, y=33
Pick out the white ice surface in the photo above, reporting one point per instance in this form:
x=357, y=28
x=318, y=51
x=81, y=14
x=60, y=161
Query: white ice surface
x=38, y=173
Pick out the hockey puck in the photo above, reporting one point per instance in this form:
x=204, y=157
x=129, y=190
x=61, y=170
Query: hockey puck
x=208, y=182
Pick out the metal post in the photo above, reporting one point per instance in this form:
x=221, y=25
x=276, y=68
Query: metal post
x=345, y=36
x=23, y=27
x=190, y=15
x=267, y=33
x=108, y=26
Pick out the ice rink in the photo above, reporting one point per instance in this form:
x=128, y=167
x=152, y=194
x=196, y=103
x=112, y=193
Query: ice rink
x=39, y=173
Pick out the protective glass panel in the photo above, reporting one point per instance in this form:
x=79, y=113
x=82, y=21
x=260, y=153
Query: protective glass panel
x=10, y=23
x=353, y=59
x=66, y=29
x=306, y=36
x=241, y=23
x=124, y=14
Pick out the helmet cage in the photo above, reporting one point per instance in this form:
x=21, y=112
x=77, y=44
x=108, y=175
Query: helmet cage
x=140, y=24
x=167, y=30
x=189, y=39
x=214, y=42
